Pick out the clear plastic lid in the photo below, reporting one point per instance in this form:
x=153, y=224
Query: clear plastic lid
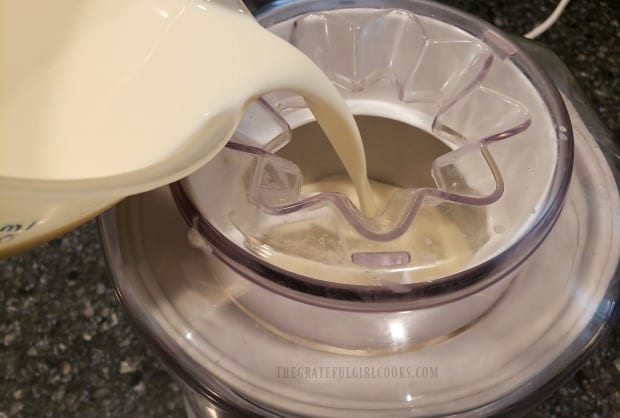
x=249, y=335
x=464, y=136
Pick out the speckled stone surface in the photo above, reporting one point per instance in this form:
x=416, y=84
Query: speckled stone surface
x=67, y=349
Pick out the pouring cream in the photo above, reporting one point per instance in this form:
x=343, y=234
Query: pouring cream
x=105, y=88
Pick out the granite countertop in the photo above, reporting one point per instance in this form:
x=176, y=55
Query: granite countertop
x=67, y=349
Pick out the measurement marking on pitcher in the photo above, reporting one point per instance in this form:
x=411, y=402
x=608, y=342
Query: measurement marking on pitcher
x=11, y=229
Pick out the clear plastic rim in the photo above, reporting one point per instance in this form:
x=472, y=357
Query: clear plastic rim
x=415, y=295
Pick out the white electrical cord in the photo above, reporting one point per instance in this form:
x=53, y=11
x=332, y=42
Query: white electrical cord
x=553, y=17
